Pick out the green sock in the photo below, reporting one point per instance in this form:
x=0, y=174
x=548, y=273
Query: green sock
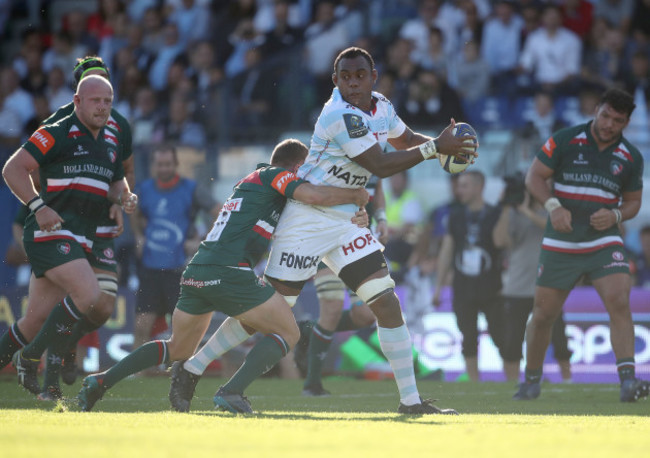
x=533, y=375
x=80, y=329
x=346, y=323
x=625, y=368
x=56, y=329
x=319, y=344
x=10, y=342
x=263, y=356
x=57, y=350
x=148, y=355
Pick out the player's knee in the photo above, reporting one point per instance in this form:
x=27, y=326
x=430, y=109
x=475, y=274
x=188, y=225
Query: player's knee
x=374, y=289
x=291, y=334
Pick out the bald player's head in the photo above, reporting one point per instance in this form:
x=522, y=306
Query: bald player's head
x=93, y=102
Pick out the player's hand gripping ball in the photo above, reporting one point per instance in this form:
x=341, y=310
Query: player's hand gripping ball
x=455, y=164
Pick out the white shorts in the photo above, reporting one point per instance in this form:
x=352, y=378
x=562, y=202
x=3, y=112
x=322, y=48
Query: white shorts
x=305, y=235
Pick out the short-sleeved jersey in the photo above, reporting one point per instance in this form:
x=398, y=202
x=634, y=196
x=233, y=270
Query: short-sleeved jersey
x=586, y=180
x=117, y=133
x=242, y=232
x=343, y=132
x=75, y=170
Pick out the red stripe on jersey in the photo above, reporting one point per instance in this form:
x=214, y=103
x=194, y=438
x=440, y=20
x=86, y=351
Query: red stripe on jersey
x=112, y=123
x=75, y=134
x=263, y=232
x=586, y=197
x=579, y=250
x=48, y=238
x=578, y=141
x=78, y=187
x=252, y=178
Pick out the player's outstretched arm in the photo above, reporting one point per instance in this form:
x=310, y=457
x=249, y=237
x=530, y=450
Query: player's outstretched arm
x=385, y=165
x=328, y=196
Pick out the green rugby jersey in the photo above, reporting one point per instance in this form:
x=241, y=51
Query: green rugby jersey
x=586, y=180
x=118, y=133
x=116, y=123
x=75, y=171
x=242, y=232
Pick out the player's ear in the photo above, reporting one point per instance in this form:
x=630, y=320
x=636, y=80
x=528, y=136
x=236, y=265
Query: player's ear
x=335, y=79
x=375, y=75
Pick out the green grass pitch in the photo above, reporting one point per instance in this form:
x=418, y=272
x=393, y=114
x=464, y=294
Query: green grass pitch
x=358, y=420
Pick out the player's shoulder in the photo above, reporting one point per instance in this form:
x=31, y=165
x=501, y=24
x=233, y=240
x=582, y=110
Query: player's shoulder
x=637, y=156
x=62, y=112
x=117, y=121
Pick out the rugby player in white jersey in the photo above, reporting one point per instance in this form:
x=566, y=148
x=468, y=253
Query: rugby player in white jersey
x=346, y=148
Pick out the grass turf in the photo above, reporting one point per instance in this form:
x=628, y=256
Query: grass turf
x=359, y=420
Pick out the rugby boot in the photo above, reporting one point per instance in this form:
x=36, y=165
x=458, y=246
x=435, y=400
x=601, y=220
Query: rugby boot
x=181, y=390
x=231, y=402
x=527, y=391
x=50, y=393
x=315, y=390
x=27, y=370
x=69, y=368
x=634, y=389
x=91, y=392
x=425, y=407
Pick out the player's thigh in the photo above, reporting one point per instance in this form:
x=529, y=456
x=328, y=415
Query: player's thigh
x=614, y=290
x=561, y=271
x=548, y=304
x=274, y=316
x=43, y=297
x=330, y=291
x=187, y=332
x=78, y=280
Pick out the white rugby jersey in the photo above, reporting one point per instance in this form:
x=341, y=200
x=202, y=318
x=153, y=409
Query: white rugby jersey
x=343, y=132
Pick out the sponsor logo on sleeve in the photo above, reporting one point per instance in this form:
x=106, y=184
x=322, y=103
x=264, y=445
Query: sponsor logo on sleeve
x=232, y=205
x=549, y=147
x=355, y=126
x=43, y=140
x=281, y=181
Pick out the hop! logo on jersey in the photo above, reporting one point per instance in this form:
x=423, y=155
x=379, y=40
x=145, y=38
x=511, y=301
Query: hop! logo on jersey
x=43, y=140
x=63, y=247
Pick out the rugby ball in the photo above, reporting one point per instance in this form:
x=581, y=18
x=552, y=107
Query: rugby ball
x=453, y=164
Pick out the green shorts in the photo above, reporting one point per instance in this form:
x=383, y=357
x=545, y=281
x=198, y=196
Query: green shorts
x=230, y=290
x=46, y=255
x=103, y=255
x=563, y=270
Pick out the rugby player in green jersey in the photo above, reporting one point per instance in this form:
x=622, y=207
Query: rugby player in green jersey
x=220, y=277
x=78, y=172
x=118, y=136
x=597, y=180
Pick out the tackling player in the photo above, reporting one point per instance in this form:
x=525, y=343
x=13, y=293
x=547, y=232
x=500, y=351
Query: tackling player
x=220, y=277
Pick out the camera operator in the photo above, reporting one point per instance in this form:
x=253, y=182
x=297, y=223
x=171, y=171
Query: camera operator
x=520, y=229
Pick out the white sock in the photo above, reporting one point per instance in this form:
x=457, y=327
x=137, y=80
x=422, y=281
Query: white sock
x=228, y=336
x=397, y=347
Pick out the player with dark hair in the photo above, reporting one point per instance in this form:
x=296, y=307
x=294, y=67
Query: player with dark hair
x=79, y=173
x=597, y=184
x=347, y=147
x=220, y=277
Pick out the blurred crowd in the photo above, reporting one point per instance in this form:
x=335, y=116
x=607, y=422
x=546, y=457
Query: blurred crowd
x=210, y=72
